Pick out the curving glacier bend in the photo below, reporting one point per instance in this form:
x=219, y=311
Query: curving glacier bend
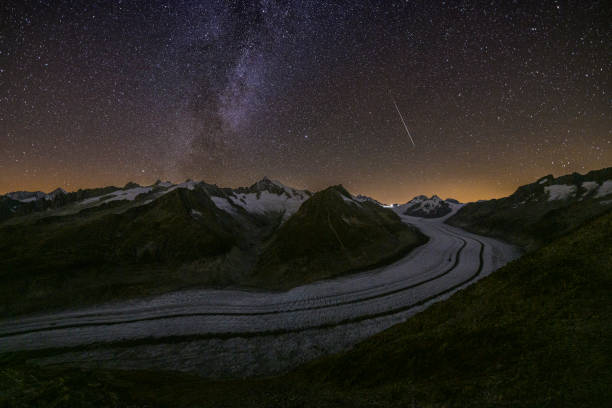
x=239, y=333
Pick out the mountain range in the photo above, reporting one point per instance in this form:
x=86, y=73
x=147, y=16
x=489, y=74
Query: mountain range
x=534, y=333
x=100, y=244
x=539, y=212
x=433, y=207
x=151, y=239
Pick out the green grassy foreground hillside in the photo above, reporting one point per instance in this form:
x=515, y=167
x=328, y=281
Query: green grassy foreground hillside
x=536, y=333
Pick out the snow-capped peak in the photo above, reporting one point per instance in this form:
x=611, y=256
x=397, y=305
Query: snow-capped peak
x=188, y=184
x=272, y=186
x=26, y=196
x=128, y=194
x=57, y=192
x=424, y=199
x=164, y=184
x=422, y=206
x=363, y=198
x=30, y=196
x=267, y=196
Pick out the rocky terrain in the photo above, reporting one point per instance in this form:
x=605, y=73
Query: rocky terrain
x=434, y=207
x=541, y=211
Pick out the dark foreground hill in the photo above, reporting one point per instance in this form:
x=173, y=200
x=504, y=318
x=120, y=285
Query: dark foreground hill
x=333, y=234
x=98, y=254
x=535, y=333
x=541, y=211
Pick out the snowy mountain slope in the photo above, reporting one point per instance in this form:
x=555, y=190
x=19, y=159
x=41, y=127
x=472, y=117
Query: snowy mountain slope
x=263, y=198
x=363, y=198
x=29, y=196
x=267, y=196
x=422, y=206
x=129, y=194
x=23, y=206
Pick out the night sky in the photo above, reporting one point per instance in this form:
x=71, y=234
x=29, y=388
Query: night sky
x=495, y=94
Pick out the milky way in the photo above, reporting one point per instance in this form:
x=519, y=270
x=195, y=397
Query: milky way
x=495, y=93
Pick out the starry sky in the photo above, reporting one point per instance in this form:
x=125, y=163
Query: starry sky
x=495, y=93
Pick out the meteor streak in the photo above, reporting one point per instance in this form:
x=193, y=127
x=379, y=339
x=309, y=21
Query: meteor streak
x=402, y=118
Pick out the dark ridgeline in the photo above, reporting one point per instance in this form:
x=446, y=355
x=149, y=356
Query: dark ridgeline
x=541, y=211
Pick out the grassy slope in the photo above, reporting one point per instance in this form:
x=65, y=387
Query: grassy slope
x=329, y=236
x=535, y=333
x=96, y=255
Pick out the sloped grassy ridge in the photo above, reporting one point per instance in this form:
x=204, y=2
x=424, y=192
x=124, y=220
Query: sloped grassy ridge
x=333, y=234
x=533, y=334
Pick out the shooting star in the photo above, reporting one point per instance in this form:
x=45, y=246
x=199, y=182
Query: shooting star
x=402, y=118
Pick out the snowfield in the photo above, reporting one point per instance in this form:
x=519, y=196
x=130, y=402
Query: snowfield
x=426, y=205
x=129, y=195
x=30, y=196
x=589, y=186
x=263, y=202
x=605, y=189
x=223, y=204
x=420, y=205
x=560, y=191
x=238, y=333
